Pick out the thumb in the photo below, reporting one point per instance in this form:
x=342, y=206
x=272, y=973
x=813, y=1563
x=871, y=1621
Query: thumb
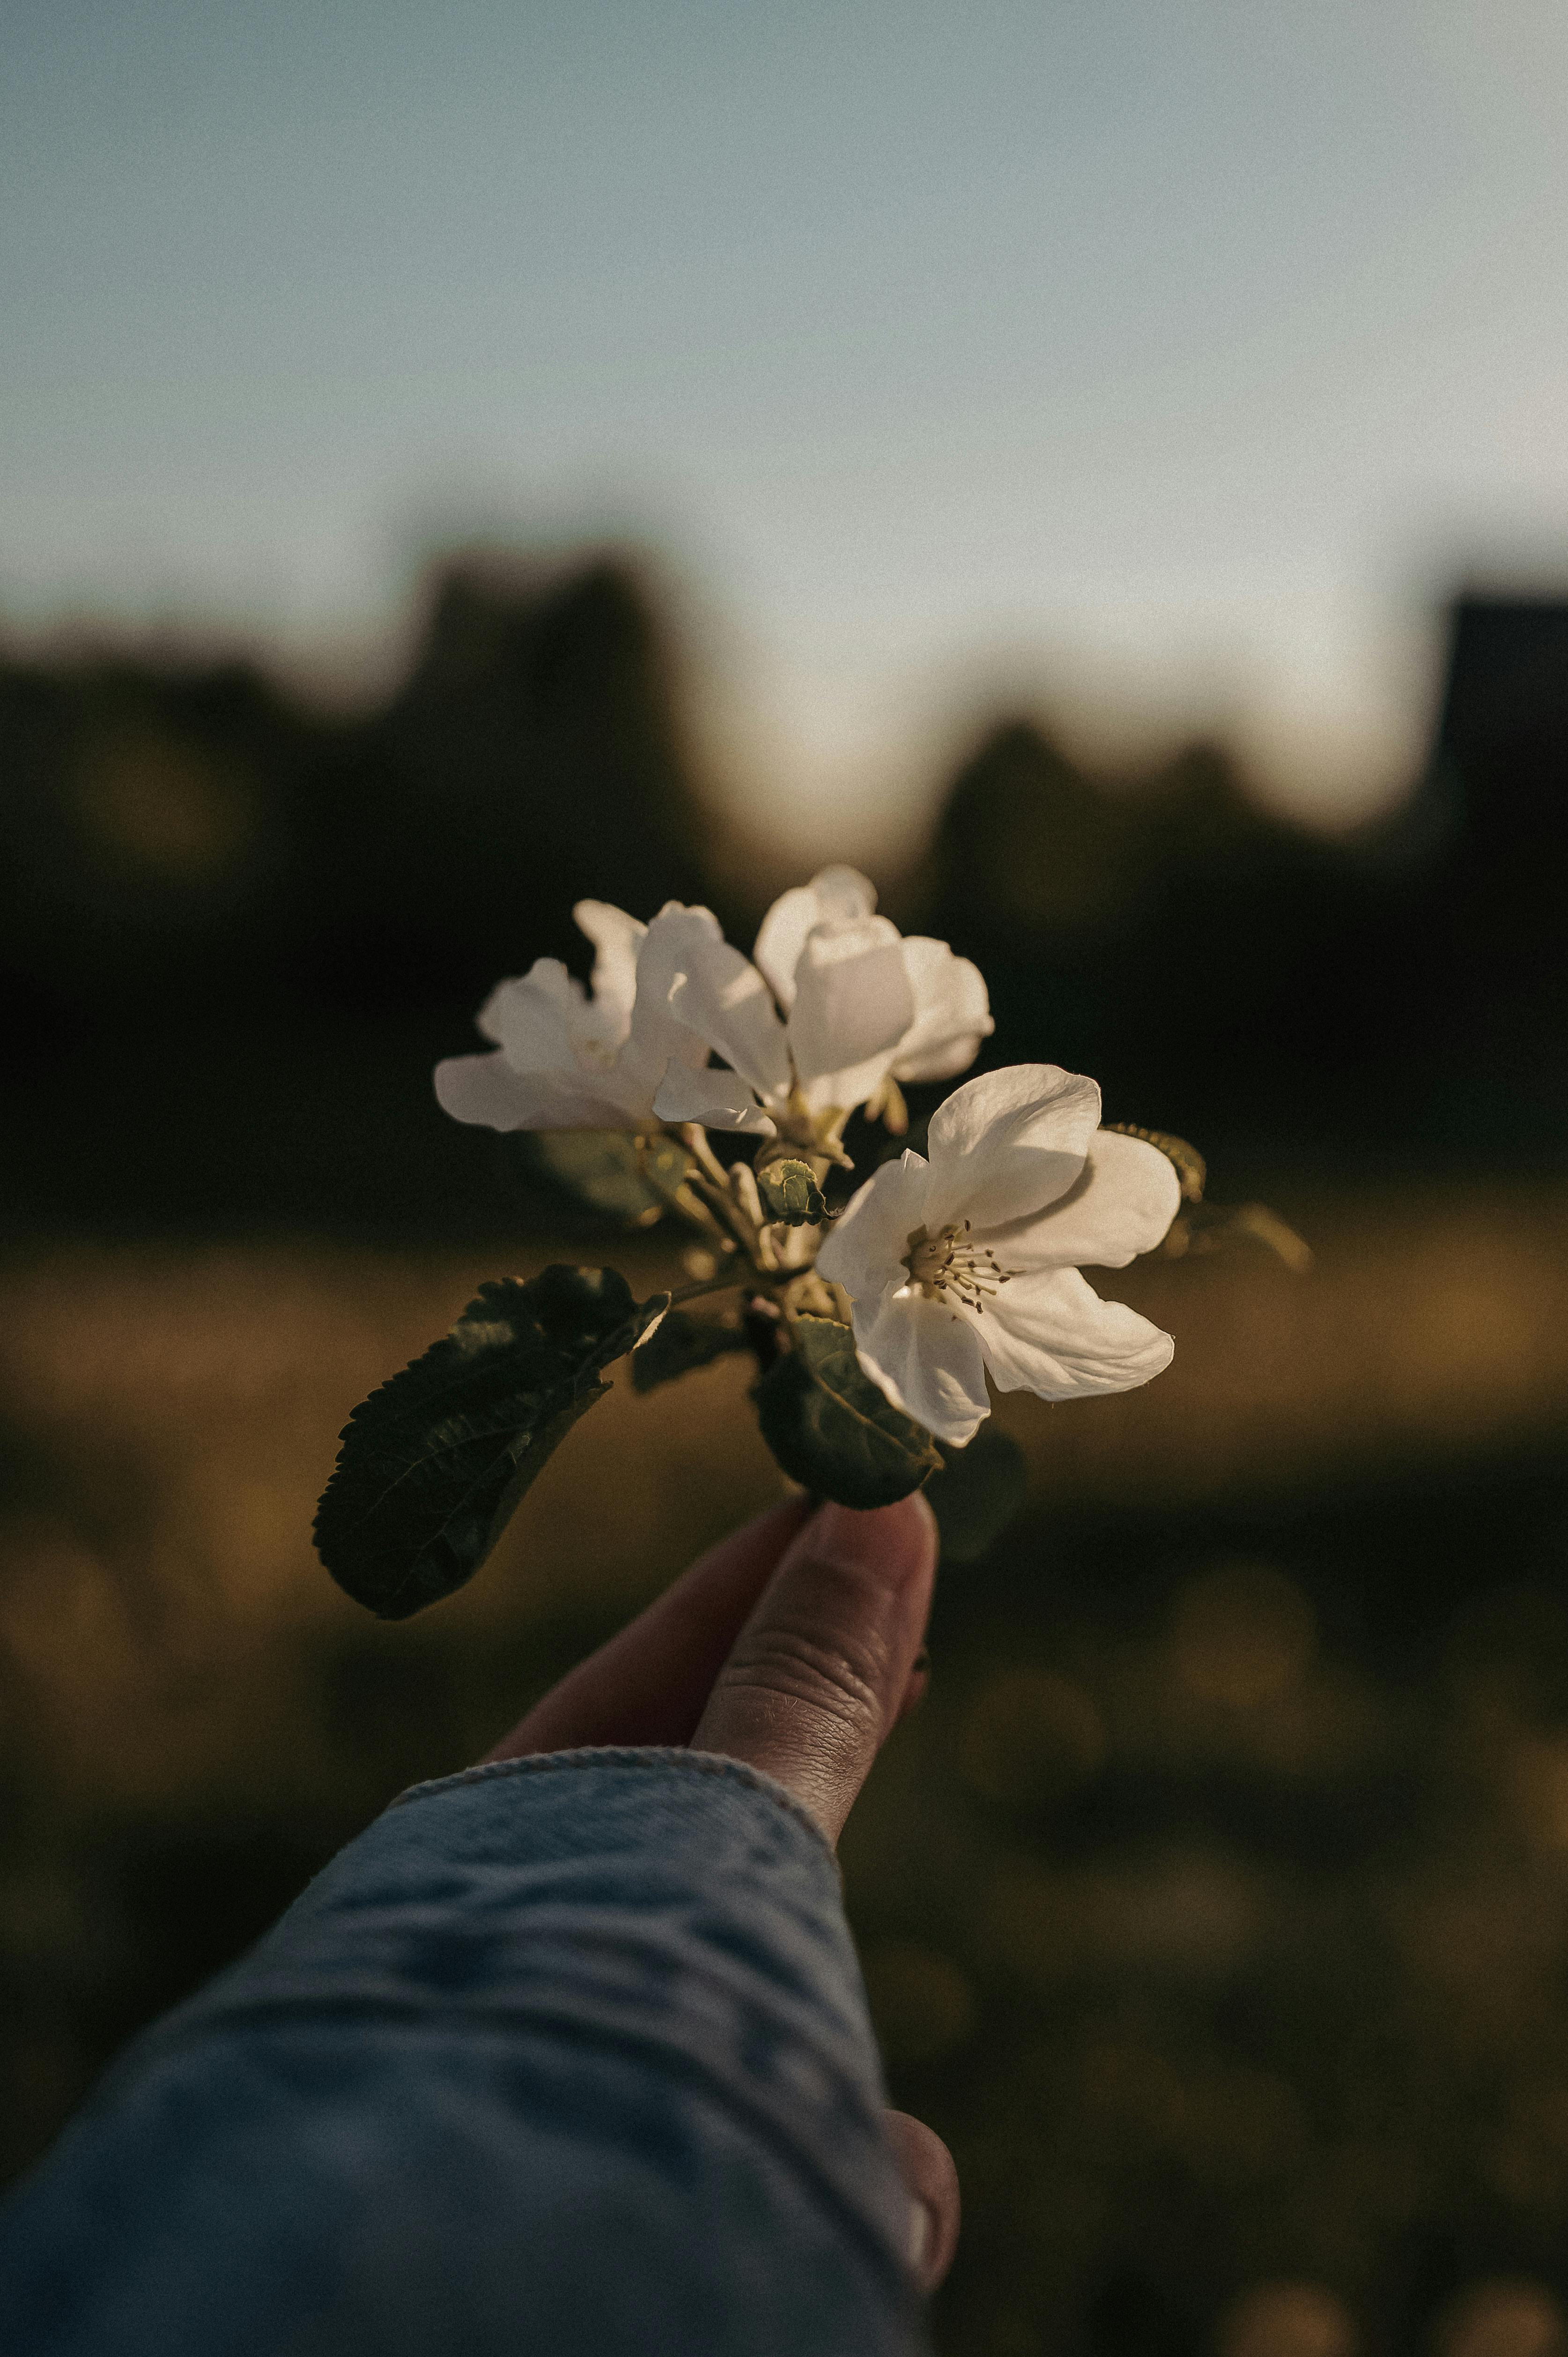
x=818, y=1674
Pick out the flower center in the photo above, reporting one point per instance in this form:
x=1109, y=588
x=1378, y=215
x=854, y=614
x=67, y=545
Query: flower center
x=949, y=1263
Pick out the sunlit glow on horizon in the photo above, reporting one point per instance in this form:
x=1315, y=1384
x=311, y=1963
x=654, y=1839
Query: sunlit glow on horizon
x=1157, y=369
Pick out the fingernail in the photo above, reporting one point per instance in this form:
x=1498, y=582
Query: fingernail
x=924, y=2228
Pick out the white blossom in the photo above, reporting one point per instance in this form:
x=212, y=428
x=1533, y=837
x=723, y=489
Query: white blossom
x=566, y=1058
x=965, y=1261
x=834, y=1004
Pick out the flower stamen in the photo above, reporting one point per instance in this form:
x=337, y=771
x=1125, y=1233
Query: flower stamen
x=949, y=1263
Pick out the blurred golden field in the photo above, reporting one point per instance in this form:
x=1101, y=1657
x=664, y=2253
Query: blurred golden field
x=172, y=1415
x=1216, y=1906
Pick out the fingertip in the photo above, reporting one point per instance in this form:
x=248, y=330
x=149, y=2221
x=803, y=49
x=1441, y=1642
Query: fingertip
x=899, y=1541
x=930, y=2178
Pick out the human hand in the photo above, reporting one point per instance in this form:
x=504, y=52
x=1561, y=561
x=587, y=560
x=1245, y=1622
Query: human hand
x=794, y=1645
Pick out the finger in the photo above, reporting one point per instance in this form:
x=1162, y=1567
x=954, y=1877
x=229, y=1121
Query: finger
x=651, y=1683
x=927, y=2167
x=817, y=1675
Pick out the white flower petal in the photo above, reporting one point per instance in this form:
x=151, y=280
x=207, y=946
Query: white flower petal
x=615, y=938
x=536, y=1015
x=723, y=998
x=577, y=1063
x=833, y=896
x=1123, y=1204
x=929, y=1361
x=952, y=1013
x=658, y=1038
x=1050, y=1332
x=712, y=1096
x=1009, y=1142
x=853, y=1004
x=864, y=1250
x=490, y=1090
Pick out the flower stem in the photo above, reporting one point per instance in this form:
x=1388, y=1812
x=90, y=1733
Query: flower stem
x=695, y=1138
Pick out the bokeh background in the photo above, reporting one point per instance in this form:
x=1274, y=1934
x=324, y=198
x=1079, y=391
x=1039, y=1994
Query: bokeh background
x=1108, y=475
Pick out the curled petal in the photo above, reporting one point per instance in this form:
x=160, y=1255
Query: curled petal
x=678, y=940
x=1009, y=1142
x=713, y=1096
x=536, y=1015
x=658, y=1038
x=929, y=1361
x=833, y=896
x=865, y=1249
x=617, y=938
x=490, y=1090
x=853, y=1004
x=1122, y=1204
x=723, y=998
x=952, y=1013
x=1050, y=1332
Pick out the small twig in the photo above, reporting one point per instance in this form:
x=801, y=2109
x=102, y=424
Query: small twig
x=690, y=1204
x=695, y=1138
x=733, y=1282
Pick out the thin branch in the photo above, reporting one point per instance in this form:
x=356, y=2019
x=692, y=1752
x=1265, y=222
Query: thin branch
x=721, y=1284
x=726, y=1208
x=695, y=1138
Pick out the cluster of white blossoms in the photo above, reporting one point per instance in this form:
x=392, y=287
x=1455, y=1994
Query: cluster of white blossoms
x=954, y=1265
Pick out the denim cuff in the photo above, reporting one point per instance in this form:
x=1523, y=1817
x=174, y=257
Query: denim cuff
x=673, y=1907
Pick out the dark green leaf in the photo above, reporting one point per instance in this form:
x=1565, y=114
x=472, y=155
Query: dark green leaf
x=790, y=1194
x=977, y=1494
x=433, y=1464
x=677, y=1344
x=832, y=1429
x=626, y=1179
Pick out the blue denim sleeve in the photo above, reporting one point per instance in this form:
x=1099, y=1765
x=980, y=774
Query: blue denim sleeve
x=566, y=2054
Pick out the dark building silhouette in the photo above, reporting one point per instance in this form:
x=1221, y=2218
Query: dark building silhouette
x=1500, y=777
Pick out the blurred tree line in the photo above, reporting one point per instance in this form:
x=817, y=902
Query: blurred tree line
x=236, y=931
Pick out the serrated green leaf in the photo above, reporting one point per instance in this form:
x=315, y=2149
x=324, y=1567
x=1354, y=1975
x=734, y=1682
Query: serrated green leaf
x=831, y=1428
x=433, y=1464
x=790, y=1194
x=678, y=1345
x=977, y=1494
x=626, y=1179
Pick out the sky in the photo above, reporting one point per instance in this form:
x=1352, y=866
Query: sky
x=1157, y=366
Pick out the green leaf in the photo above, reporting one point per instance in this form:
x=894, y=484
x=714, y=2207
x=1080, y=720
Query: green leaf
x=831, y=1428
x=977, y=1494
x=677, y=1344
x=790, y=1194
x=626, y=1179
x=434, y=1464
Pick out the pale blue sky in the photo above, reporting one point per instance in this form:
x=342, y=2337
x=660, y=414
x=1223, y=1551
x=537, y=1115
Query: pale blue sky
x=1155, y=361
